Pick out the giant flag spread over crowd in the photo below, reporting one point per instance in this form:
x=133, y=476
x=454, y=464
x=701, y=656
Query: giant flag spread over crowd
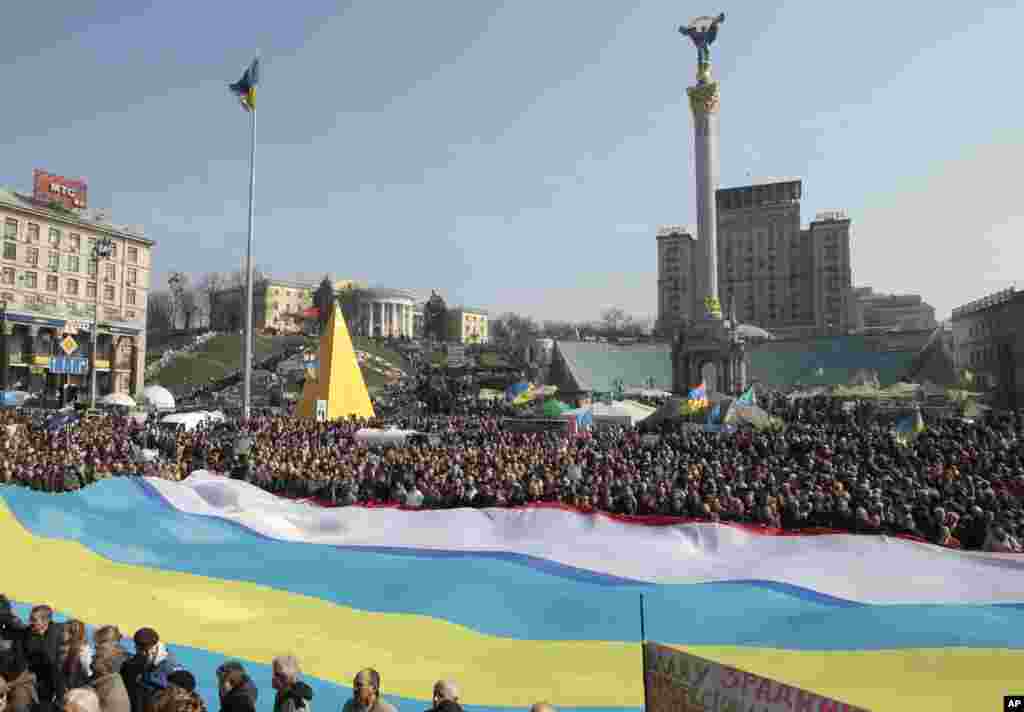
x=516, y=605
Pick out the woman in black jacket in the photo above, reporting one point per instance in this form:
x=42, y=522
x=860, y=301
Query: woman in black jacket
x=237, y=691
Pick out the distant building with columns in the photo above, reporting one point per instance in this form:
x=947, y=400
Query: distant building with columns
x=51, y=288
x=386, y=313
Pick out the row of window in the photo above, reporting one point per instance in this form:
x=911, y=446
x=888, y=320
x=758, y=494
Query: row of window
x=30, y=280
x=72, y=263
x=56, y=237
x=32, y=300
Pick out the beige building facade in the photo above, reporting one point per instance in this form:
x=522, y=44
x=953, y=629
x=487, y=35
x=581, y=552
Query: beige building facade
x=790, y=280
x=904, y=312
x=468, y=326
x=50, y=284
x=277, y=306
x=988, y=341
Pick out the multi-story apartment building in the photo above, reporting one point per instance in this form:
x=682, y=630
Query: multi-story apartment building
x=988, y=341
x=51, y=287
x=904, y=312
x=790, y=280
x=467, y=326
x=278, y=305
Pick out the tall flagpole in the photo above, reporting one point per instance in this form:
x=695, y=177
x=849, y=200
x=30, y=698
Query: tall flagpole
x=249, y=331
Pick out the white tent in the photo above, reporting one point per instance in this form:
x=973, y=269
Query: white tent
x=388, y=437
x=626, y=413
x=653, y=393
x=121, y=399
x=158, y=397
x=186, y=421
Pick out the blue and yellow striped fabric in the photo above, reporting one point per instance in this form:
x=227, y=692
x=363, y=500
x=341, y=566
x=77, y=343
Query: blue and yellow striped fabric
x=510, y=629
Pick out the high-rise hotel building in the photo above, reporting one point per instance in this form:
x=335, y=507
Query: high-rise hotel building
x=790, y=280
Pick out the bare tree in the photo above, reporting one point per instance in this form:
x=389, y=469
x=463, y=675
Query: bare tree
x=159, y=312
x=177, y=283
x=188, y=303
x=614, y=319
x=210, y=284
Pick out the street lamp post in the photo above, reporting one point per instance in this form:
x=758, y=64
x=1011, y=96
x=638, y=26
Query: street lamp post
x=5, y=356
x=103, y=248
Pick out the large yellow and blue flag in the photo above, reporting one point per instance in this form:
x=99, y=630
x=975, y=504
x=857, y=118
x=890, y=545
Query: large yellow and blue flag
x=245, y=88
x=222, y=570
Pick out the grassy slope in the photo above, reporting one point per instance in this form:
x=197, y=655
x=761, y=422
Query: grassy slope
x=223, y=354
x=217, y=358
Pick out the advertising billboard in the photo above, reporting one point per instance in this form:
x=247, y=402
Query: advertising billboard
x=68, y=192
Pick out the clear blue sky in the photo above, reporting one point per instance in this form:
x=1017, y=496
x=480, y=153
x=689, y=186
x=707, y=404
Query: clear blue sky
x=520, y=156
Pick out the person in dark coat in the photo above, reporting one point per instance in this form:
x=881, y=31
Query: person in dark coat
x=42, y=653
x=236, y=689
x=146, y=673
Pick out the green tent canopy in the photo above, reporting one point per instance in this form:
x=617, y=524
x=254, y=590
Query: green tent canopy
x=553, y=408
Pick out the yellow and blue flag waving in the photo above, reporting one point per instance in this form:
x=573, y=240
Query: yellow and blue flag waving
x=696, y=401
x=245, y=88
x=223, y=570
x=909, y=427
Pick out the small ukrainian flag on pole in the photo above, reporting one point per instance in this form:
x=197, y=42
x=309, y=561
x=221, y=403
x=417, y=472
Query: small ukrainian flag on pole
x=245, y=88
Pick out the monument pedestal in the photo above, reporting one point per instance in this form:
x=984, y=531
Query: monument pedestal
x=710, y=340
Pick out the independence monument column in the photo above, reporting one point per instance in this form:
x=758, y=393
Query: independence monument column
x=707, y=339
x=704, y=104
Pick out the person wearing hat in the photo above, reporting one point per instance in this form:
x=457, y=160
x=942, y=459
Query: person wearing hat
x=237, y=691
x=182, y=678
x=146, y=673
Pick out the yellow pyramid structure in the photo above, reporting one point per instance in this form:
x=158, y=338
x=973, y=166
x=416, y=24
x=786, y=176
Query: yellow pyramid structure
x=339, y=380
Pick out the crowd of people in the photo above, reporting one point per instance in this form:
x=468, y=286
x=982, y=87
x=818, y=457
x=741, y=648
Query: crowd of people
x=958, y=484
x=49, y=666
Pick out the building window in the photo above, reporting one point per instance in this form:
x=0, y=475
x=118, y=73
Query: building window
x=133, y=255
x=33, y=256
x=73, y=263
x=92, y=267
x=72, y=286
x=54, y=262
x=31, y=280
x=8, y=275
x=33, y=233
x=112, y=273
x=90, y=290
x=76, y=242
x=11, y=229
x=133, y=276
x=130, y=297
x=108, y=293
x=51, y=283
x=129, y=315
x=54, y=236
x=10, y=250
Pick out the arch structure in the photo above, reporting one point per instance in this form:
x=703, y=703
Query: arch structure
x=708, y=341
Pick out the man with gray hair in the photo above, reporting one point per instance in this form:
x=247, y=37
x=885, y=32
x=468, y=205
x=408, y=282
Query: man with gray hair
x=446, y=697
x=366, y=689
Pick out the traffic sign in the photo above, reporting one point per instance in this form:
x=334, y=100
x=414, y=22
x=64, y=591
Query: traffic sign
x=71, y=365
x=69, y=345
